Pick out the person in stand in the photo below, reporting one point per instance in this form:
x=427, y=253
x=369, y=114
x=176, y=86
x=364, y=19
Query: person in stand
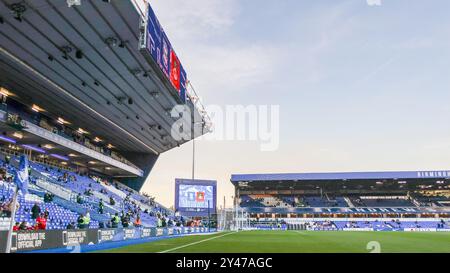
x=87, y=219
x=3, y=210
x=16, y=227
x=41, y=222
x=80, y=222
x=35, y=211
x=79, y=199
x=70, y=226
x=23, y=226
x=48, y=197
x=46, y=213
x=125, y=221
x=115, y=220
x=100, y=206
x=138, y=222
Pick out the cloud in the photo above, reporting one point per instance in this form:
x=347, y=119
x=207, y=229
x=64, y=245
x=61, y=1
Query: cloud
x=231, y=68
x=373, y=2
x=215, y=58
x=195, y=19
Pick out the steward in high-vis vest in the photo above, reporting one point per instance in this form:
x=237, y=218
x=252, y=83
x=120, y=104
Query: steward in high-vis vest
x=115, y=220
x=87, y=220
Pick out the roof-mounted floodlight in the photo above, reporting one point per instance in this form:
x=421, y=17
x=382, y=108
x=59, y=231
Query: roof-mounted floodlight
x=18, y=9
x=71, y=3
x=111, y=41
x=154, y=94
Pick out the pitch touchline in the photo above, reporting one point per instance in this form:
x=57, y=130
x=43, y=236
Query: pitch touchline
x=194, y=243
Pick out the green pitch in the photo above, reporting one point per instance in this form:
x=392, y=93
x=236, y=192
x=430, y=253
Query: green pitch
x=298, y=242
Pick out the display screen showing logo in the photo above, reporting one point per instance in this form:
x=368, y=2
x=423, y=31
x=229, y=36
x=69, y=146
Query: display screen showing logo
x=200, y=197
x=195, y=196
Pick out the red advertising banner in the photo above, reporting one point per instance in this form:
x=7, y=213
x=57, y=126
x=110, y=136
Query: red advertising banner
x=175, y=71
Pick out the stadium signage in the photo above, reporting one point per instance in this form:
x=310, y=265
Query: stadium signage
x=28, y=240
x=159, y=232
x=47, y=239
x=157, y=44
x=420, y=229
x=76, y=237
x=105, y=235
x=129, y=233
x=357, y=229
x=146, y=232
x=170, y=231
x=433, y=174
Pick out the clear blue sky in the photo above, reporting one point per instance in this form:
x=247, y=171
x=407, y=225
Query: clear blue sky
x=359, y=87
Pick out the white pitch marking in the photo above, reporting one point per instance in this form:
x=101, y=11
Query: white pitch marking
x=299, y=232
x=194, y=243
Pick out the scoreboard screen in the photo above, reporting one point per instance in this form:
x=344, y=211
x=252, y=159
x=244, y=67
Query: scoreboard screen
x=193, y=198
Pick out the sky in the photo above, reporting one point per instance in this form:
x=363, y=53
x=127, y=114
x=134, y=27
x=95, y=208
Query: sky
x=361, y=85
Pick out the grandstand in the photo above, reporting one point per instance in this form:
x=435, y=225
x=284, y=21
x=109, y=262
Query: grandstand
x=89, y=95
x=82, y=98
x=337, y=201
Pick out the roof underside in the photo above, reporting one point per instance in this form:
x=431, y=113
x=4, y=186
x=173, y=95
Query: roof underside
x=88, y=92
x=339, y=176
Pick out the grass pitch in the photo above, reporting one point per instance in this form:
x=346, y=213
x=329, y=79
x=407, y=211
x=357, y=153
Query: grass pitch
x=298, y=242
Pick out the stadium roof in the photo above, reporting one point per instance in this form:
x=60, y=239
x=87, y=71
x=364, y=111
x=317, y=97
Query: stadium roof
x=108, y=87
x=294, y=177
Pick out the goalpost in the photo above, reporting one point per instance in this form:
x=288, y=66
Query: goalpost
x=233, y=219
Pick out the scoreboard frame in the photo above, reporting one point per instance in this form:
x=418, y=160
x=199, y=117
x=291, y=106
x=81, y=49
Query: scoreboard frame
x=195, y=212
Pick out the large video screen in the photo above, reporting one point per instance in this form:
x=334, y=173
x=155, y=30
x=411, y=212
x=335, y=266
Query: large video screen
x=193, y=198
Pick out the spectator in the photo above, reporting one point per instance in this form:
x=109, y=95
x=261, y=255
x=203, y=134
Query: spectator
x=7, y=208
x=112, y=202
x=87, y=219
x=48, y=197
x=41, y=222
x=115, y=221
x=16, y=227
x=70, y=226
x=100, y=206
x=125, y=221
x=35, y=211
x=2, y=210
x=23, y=226
x=80, y=222
x=138, y=222
x=79, y=199
x=46, y=213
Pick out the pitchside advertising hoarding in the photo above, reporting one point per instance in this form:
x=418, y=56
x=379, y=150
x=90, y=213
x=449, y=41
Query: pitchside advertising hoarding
x=162, y=52
x=52, y=239
x=194, y=197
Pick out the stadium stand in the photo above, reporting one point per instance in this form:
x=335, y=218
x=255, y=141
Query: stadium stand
x=345, y=201
x=325, y=201
x=74, y=195
x=92, y=132
x=380, y=201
